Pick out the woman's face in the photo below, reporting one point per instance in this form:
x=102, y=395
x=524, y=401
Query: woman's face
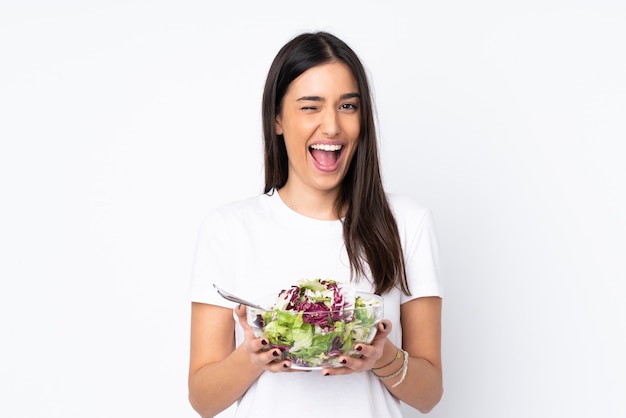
x=320, y=122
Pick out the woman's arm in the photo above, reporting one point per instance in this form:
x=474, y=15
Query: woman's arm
x=421, y=337
x=219, y=374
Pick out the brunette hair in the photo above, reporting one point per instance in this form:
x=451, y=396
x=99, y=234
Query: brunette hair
x=369, y=228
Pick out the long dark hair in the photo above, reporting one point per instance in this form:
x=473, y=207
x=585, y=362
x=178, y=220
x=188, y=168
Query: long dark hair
x=369, y=228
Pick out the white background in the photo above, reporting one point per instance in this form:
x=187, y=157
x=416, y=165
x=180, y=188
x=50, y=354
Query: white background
x=123, y=122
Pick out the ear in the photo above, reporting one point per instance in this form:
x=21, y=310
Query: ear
x=278, y=125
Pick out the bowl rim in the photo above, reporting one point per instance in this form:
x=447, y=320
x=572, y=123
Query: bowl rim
x=379, y=302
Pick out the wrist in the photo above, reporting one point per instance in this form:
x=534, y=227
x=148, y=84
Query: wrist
x=402, y=370
x=391, y=355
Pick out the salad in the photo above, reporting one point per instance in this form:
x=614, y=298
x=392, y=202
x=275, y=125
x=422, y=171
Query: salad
x=316, y=321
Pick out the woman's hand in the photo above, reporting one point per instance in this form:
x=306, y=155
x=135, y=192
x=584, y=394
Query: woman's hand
x=258, y=348
x=370, y=354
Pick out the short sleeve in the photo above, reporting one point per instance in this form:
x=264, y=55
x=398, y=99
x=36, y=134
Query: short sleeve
x=421, y=249
x=210, y=261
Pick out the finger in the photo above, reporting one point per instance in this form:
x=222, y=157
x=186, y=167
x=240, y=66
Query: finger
x=337, y=371
x=271, y=356
x=261, y=344
x=262, y=355
x=384, y=329
x=280, y=367
x=272, y=360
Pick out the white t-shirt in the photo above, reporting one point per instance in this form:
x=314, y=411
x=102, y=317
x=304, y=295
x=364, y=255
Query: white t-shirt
x=259, y=246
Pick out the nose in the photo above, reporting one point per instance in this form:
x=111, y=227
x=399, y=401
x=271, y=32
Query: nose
x=330, y=123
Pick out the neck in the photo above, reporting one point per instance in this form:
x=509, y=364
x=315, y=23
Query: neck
x=317, y=205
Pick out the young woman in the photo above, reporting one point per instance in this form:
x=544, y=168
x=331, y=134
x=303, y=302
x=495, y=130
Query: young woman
x=323, y=214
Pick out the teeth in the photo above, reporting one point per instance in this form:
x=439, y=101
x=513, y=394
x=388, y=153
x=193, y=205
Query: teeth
x=326, y=147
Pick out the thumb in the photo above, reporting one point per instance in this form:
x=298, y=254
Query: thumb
x=384, y=329
x=240, y=311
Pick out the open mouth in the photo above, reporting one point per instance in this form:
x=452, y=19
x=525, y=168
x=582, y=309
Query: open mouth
x=326, y=155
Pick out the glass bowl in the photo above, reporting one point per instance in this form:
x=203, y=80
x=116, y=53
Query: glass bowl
x=316, y=339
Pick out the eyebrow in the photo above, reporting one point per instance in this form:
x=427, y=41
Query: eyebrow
x=321, y=99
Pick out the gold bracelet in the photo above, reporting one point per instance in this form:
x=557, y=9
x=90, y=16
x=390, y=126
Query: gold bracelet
x=401, y=370
x=405, y=368
x=396, y=357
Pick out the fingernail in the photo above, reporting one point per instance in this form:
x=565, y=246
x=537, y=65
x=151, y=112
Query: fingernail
x=384, y=325
x=285, y=366
x=359, y=348
x=343, y=361
x=325, y=373
x=264, y=342
x=275, y=353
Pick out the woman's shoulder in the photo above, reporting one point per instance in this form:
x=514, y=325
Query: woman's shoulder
x=411, y=215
